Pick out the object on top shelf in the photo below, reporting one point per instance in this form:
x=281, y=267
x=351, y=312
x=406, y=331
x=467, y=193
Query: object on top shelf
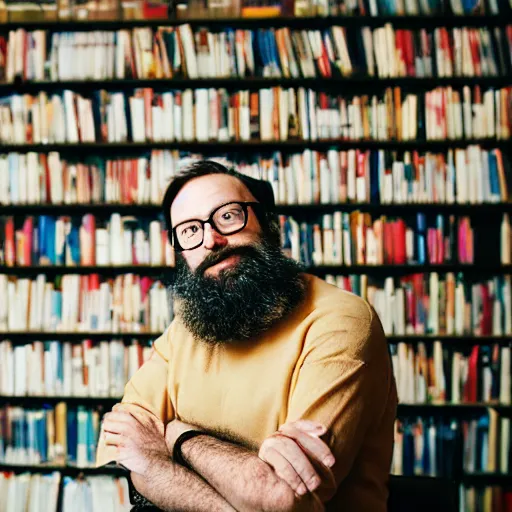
x=26, y=10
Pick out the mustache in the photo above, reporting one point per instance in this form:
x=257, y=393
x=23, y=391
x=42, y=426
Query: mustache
x=222, y=254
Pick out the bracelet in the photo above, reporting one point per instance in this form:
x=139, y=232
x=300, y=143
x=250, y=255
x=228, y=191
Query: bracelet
x=177, y=456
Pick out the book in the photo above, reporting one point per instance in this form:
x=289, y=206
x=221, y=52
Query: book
x=84, y=303
x=55, y=368
x=471, y=175
x=119, y=117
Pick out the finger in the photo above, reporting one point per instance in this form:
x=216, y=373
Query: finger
x=112, y=439
x=120, y=417
x=313, y=445
x=291, y=451
x=283, y=469
x=309, y=426
x=116, y=427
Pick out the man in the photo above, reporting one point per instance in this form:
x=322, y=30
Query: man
x=271, y=389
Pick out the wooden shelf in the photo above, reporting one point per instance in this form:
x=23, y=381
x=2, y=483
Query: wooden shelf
x=67, y=470
x=403, y=409
x=474, y=479
x=449, y=409
x=252, y=145
x=20, y=338
x=441, y=19
x=463, y=339
x=162, y=270
x=106, y=209
x=255, y=83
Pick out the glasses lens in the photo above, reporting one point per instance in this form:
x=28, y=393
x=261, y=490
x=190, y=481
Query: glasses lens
x=189, y=234
x=229, y=218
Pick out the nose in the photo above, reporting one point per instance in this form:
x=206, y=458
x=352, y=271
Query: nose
x=212, y=238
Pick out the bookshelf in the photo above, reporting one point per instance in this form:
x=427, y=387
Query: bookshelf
x=350, y=84
x=456, y=410
x=18, y=338
x=255, y=145
x=149, y=270
x=255, y=83
x=476, y=20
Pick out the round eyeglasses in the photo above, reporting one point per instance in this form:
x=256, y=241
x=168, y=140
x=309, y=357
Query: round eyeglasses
x=227, y=219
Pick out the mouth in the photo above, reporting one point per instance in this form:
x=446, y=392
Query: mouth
x=228, y=262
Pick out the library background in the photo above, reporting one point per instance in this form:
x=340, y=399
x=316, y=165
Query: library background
x=384, y=127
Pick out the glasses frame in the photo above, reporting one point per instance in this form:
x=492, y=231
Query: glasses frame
x=245, y=207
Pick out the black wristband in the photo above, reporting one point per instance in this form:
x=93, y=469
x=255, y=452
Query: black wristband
x=177, y=456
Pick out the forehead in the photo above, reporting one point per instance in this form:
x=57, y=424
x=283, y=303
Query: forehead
x=200, y=196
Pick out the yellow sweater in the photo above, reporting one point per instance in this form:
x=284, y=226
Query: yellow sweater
x=328, y=361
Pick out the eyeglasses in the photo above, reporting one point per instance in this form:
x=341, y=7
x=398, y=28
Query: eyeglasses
x=227, y=219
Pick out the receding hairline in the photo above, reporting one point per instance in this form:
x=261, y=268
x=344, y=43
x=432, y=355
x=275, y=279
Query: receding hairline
x=240, y=185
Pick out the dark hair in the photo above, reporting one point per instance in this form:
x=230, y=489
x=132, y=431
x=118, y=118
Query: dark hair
x=260, y=189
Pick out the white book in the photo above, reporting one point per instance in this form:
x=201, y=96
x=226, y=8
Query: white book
x=187, y=40
x=187, y=116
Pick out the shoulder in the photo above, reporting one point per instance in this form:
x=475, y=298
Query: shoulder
x=344, y=321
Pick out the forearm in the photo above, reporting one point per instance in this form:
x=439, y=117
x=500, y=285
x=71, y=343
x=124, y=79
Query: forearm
x=173, y=488
x=242, y=478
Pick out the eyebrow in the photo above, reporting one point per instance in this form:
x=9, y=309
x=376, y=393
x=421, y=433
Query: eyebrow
x=211, y=211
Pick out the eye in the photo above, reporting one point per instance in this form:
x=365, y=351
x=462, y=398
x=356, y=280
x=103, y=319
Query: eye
x=231, y=215
x=189, y=231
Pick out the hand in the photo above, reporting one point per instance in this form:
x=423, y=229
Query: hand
x=173, y=430
x=294, y=451
x=139, y=439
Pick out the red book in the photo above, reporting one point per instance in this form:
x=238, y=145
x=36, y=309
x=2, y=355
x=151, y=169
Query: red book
x=324, y=64
x=487, y=303
x=145, y=285
x=409, y=53
x=94, y=282
x=399, y=253
x=388, y=242
x=10, y=245
x=28, y=231
x=411, y=307
x=432, y=246
x=471, y=386
x=507, y=495
x=400, y=49
x=474, y=45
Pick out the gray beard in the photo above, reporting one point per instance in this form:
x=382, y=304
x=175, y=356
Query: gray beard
x=241, y=302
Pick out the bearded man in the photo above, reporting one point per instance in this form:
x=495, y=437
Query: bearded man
x=270, y=390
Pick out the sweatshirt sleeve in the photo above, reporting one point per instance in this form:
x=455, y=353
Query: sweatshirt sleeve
x=145, y=393
x=345, y=382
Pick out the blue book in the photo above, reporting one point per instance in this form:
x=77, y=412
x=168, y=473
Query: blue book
x=72, y=435
x=46, y=230
x=274, y=53
x=408, y=450
x=73, y=243
x=494, y=181
x=32, y=435
x=374, y=178
x=92, y=438
x=56, y=307
x=421, y=238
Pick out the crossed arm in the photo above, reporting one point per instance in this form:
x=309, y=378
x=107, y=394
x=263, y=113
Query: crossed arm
x=225, y=476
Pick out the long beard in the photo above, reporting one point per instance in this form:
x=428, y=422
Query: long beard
x=243, y=301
